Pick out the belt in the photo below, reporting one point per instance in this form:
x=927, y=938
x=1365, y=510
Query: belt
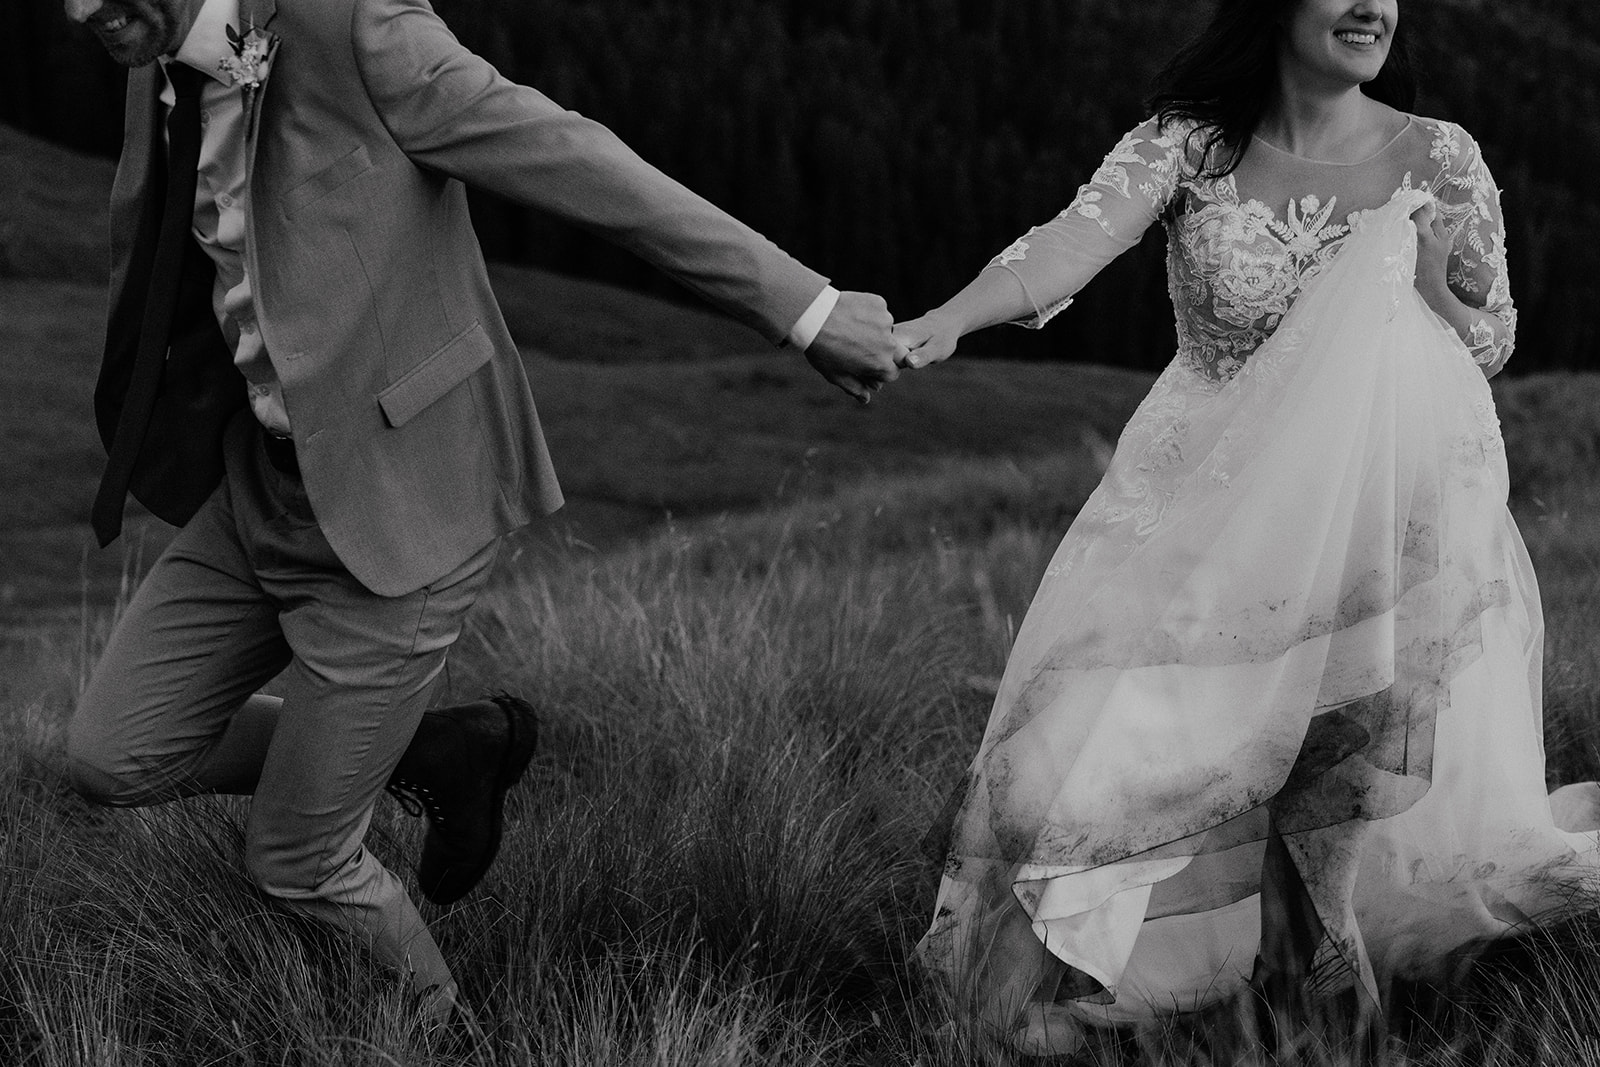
x=280, y=453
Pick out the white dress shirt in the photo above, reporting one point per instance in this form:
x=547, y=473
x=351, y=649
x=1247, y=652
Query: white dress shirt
x=219, y=204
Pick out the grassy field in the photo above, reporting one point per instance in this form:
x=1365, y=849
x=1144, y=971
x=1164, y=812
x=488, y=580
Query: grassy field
x=762, y=646
x=722, y=854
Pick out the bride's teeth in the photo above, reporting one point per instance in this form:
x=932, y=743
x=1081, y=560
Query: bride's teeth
x=1358, y=38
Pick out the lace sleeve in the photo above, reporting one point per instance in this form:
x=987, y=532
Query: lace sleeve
x=1470, y=204
x=1107, y=217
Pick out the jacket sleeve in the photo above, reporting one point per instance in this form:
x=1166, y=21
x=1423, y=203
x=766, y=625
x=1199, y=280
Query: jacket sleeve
x=451, y=111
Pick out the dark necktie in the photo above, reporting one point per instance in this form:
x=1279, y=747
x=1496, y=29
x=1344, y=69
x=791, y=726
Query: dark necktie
x=177, y=217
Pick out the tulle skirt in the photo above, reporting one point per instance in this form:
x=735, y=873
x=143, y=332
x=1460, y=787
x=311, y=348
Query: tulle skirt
x=1293, y=637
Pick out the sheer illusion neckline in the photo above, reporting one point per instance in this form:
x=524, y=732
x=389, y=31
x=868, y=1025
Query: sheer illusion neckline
x=1387, y=145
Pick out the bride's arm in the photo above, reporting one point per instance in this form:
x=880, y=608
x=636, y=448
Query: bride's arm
x=993, y=297
x=1035, y=279
x=1461, y=264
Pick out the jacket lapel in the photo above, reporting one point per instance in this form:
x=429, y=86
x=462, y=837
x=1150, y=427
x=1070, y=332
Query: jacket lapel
x=141, y=168
x=136, y=199
x=179, y=462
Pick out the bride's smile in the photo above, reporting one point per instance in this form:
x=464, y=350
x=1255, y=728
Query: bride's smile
x=1337, y=41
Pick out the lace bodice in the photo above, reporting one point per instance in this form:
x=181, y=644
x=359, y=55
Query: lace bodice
x=1241, y=248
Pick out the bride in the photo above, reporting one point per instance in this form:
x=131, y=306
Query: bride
x=1273, y=717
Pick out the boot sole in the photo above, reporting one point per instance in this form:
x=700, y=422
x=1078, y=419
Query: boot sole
x=513, y=763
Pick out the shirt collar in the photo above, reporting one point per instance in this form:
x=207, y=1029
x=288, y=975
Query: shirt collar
x=207, y=44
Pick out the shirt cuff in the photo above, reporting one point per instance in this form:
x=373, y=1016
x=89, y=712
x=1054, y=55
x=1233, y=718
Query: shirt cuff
x=806, y=328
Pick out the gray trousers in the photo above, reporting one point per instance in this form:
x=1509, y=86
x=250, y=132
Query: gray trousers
x=248, y=589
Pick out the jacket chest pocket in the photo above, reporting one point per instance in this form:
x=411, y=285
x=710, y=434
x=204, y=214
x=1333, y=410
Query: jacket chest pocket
x=341, y=171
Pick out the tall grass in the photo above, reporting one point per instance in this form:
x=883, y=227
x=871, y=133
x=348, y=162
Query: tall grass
x=722, y=854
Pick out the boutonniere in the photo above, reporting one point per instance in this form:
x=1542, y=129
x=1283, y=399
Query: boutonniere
x=251, y=61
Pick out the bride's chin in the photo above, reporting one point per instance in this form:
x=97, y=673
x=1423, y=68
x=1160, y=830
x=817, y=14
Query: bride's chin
x=1353, y=69
x=1364, y=72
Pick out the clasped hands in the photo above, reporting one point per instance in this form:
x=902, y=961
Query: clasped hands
x=861, y=347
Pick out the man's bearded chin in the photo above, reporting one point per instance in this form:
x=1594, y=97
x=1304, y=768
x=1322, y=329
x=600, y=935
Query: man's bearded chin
x=149, y=34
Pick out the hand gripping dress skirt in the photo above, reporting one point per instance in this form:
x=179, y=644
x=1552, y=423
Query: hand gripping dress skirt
x=1307, y=619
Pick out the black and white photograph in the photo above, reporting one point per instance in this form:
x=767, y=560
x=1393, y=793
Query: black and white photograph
x=812, y=533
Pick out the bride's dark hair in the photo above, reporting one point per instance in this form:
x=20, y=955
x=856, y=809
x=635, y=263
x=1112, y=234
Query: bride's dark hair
x=1223, y=78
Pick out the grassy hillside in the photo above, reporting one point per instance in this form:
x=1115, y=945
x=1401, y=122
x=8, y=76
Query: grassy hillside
x=726, y=847
x=52, y=210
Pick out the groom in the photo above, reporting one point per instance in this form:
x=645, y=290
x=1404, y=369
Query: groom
x=305, y=368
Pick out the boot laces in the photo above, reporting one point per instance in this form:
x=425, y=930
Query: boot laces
x=417, y=800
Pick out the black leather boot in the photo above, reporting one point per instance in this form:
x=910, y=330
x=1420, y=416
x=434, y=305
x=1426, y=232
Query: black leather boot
x=456, y=771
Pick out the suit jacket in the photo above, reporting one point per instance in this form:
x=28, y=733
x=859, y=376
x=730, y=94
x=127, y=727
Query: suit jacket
x=413, y=419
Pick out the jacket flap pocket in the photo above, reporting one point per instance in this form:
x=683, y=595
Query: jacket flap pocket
x=435, y=376
x=347, y=167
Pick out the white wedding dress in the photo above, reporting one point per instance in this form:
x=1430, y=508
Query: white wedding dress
x=1296, y=609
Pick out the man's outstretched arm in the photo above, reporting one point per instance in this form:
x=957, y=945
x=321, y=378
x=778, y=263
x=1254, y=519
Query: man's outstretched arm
x=451, y=111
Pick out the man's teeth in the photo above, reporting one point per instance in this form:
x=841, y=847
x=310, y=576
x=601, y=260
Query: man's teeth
x=1352, y=37
x=112, y=25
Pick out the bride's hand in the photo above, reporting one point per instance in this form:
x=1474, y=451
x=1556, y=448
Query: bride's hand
x=926, y=340
x=1433, y=252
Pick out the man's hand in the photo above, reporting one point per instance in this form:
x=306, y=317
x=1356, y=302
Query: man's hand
x=856, y=348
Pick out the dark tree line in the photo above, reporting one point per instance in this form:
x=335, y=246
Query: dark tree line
x=896, y=144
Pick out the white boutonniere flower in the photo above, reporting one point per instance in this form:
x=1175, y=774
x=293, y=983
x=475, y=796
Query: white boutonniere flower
x=252, y=57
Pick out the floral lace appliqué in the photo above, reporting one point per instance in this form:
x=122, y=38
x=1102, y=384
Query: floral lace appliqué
x=1469, y=203
x=1235, y=266
x=1485, y=442
x=1139, y=495
x=1018, y=250
x=1160, y=171
x=1239, y=269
